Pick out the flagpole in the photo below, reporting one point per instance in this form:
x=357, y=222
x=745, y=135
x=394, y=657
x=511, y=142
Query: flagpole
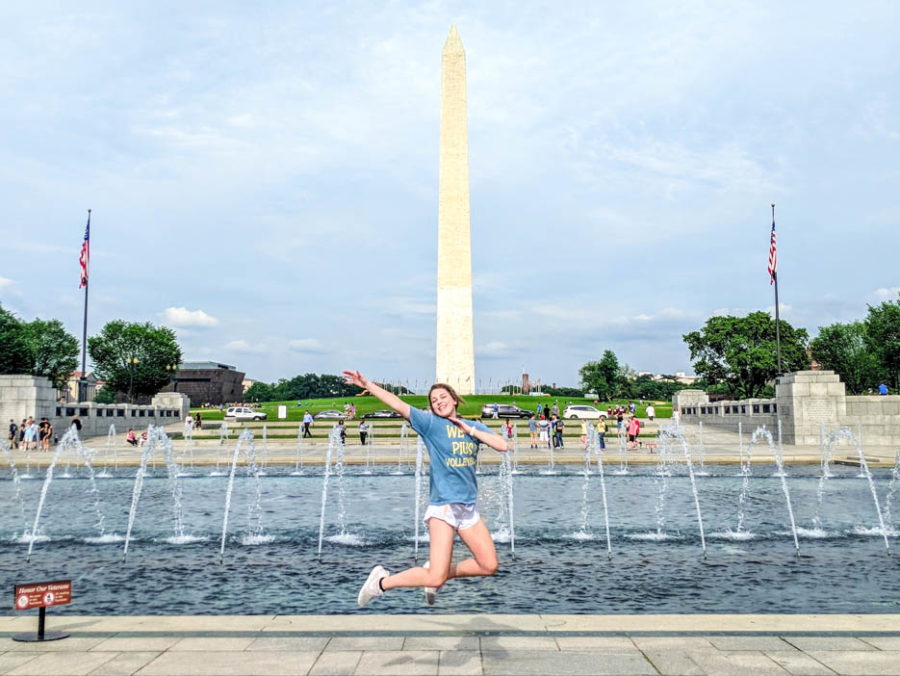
x=82, y=382
x=777, y=320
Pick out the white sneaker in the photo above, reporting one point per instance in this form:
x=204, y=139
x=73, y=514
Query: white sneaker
x=371, y=588
x=430, y=592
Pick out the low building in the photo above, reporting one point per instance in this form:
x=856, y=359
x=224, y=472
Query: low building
x=208, y=382
x=69, y=391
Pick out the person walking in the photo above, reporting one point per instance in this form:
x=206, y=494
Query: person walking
x=651, y=412
x=307, y=421
x=452, y=444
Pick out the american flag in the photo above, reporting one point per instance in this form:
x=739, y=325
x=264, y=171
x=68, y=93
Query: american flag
x=85, y=257
x=773, y=257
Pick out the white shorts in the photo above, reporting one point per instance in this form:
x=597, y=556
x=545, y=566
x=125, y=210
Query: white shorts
x=457, y=514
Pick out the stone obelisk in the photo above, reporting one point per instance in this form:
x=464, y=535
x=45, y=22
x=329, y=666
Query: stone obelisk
x=455, y=342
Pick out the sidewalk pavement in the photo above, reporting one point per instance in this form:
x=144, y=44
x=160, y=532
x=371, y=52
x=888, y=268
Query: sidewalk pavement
x=457, y=644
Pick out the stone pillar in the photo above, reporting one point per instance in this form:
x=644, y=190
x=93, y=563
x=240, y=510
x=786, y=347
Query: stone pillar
x=805, y=400
x=173, y=400
x=22, y=396
x=455, y=352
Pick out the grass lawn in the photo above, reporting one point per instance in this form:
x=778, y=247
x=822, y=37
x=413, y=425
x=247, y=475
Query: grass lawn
x=471, y=409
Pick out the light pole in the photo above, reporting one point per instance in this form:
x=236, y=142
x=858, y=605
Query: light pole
x=131, y=365
x=171, y=370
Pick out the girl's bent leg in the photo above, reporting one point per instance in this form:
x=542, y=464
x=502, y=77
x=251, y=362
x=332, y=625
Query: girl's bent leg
x=440, y=553
x=484, y=554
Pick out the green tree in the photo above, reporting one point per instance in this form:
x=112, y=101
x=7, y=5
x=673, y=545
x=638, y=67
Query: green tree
x=54, y=351
x=259, y=391
x=105, y=395
x=601, y=376
x=741, y=351
x=15, y=357
x=844, y=348
x=883, y=337
x=120, y=343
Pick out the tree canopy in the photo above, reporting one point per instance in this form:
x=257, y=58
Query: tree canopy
x=883, y=337
x=39, y=348
x=120, y=343
x=741, y=351
x=844, y=349
x=602, y=377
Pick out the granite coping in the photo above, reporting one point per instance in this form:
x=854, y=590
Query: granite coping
x=382, y=645
x=459, y=625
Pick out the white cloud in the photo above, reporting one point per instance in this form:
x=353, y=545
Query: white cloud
x=5, y=283
x=882, y=294
x=182, y=317
x=245, y=347
x=494, y=348
x=310, y=345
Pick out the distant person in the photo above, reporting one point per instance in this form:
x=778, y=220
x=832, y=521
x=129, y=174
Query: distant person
x=540, y=410
x=584, y=425
x=29, y=435
x=882, y=389
x=46, y=430
x=495, y=412
x=544, y=436
x=198, y=422
x=634, y=429
x=555, y=409
x=560, y=426
x=131, y=438
x=676, y=416
x=307, y=421
x=508, y=430
x=651, y=412
x=342, y=431
x=533, y=431
x=13, y=434
x=363, y=432
x=601, y=433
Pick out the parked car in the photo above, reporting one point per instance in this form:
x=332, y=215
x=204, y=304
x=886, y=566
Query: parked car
x=583, y=411
x=505, y=411
x=383, y=413
x=329, y=414
x=244, y=413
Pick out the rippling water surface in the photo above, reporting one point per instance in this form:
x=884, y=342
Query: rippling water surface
x=560, y=564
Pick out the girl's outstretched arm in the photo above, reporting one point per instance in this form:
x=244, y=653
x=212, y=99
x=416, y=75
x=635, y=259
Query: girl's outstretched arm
x=495, y=441
x=389, y=399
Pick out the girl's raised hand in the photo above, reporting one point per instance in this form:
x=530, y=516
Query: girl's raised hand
x=354, y=378
x=461, y=425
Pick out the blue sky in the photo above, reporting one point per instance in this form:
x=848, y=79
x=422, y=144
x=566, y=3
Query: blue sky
x=264, y=175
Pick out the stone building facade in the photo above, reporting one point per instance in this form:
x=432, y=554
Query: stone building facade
x=207, y=382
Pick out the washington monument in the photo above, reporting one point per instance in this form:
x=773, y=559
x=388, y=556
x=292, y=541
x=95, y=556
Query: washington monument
x=455, y=342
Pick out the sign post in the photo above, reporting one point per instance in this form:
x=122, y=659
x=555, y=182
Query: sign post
x=42, y=595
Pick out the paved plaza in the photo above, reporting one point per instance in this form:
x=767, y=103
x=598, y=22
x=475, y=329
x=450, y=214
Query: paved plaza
x=373, y=644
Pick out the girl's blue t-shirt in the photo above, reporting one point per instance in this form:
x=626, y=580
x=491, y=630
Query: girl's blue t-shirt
x=452, y=455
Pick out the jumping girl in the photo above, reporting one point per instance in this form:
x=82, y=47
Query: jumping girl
x=452, y=447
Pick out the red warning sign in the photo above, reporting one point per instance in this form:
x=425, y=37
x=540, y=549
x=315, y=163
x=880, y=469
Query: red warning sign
x=43, y=594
